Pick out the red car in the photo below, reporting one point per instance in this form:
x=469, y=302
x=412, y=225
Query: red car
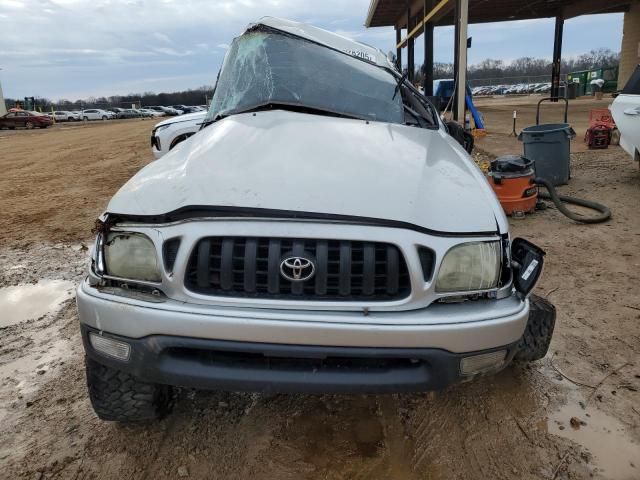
x=26, y=119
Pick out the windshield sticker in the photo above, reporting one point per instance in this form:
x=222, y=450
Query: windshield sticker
x=532, y=266
x=360, y=54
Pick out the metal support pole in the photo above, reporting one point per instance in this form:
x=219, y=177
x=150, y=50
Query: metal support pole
x=462, y=20
x=456, y=55
x=410, y=48
x=427, y=76
x=557, y=58
x=411, y=67
x=398, y=49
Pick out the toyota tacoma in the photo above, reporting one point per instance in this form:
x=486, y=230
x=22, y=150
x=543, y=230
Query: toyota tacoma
x=323, y=232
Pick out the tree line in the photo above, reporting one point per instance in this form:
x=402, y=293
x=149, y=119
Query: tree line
x=197, y=96
x=489, y=69
x=526, y=66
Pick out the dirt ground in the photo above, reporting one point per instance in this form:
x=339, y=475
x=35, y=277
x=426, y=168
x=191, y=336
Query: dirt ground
x=498, y=113
x=517, y=424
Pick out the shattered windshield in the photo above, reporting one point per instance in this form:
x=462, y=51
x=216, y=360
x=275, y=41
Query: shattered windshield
x=268, y=67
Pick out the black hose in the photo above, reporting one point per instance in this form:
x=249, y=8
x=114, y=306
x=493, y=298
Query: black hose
x=605, y=213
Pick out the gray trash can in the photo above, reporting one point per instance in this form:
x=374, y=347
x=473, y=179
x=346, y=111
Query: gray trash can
x=549, y=145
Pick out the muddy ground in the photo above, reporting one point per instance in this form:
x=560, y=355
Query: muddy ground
x=513, y=425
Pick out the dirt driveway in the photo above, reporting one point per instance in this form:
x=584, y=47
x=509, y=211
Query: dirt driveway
x=517, y=424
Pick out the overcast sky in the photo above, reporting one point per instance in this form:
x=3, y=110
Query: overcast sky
x=77, y=48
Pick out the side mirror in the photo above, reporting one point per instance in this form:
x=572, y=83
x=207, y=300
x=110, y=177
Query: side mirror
x=526, y=261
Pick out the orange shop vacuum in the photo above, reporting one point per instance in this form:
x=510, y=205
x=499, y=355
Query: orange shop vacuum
x=512, y=178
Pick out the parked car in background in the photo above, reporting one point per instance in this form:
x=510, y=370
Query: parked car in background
x=25, y=119
x=625, y=110
x=160, y=110
x=544, y=88
x=63, y=116
x=185, y=108
x=117, y=111
x=173, y=131
x=129, y=113
x=166, y=110
x=96, y=114
x=146, y=112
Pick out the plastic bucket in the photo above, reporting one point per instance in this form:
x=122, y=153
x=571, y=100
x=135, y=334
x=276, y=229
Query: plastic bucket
x=549, y=145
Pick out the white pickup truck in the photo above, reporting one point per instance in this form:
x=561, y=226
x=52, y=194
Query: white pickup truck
x=323, y=232
x=169, y=133
x=625, y=110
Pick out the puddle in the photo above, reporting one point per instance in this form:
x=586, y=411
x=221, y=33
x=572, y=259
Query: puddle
x=614, y=452
x=26, y=302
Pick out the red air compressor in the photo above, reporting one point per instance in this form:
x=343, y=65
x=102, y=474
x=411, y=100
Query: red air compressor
x=601, y=126
x=512, y=179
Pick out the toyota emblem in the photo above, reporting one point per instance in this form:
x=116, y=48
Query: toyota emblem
x=297, y=268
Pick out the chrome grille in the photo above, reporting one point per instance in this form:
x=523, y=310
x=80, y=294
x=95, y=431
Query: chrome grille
x=344, y=270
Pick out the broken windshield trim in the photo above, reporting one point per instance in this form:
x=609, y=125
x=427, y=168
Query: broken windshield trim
x=260, y=27
x=214, y=212
x=297, y=107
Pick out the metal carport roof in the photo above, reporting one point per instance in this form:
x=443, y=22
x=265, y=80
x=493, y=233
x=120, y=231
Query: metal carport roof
x=394, y=12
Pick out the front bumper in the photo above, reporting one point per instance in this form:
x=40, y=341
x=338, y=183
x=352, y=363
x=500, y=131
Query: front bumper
x=457, y=328
x=267, y=350
x=275, y=368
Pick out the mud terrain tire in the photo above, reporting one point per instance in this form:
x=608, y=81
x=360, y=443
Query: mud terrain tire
x=537, y=336
x=118, y=396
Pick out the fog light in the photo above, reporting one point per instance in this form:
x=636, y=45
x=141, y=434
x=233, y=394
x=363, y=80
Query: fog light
x=110, y=347
x=481, y=363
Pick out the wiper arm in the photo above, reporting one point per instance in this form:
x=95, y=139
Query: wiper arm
x=399, y=83
x=283, y=105
x=419, y=118
x=206, y=123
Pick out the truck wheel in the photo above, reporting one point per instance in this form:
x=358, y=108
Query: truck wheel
x=537, y=336
x=117, y=396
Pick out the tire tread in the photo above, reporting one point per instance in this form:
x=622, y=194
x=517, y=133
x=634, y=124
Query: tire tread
x=118, y=396
x=537, y=336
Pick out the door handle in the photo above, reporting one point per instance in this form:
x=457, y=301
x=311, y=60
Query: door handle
x=632, y=111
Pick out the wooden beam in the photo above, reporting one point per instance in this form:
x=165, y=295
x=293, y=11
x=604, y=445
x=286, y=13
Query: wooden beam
x=435, y=13
x=589, y=7
x=373, y=6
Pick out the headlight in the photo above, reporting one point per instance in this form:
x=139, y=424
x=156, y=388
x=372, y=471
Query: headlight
x=469, y=267
x=131, y=256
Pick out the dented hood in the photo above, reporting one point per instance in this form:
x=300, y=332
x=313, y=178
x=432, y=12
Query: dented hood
x=281, y=160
